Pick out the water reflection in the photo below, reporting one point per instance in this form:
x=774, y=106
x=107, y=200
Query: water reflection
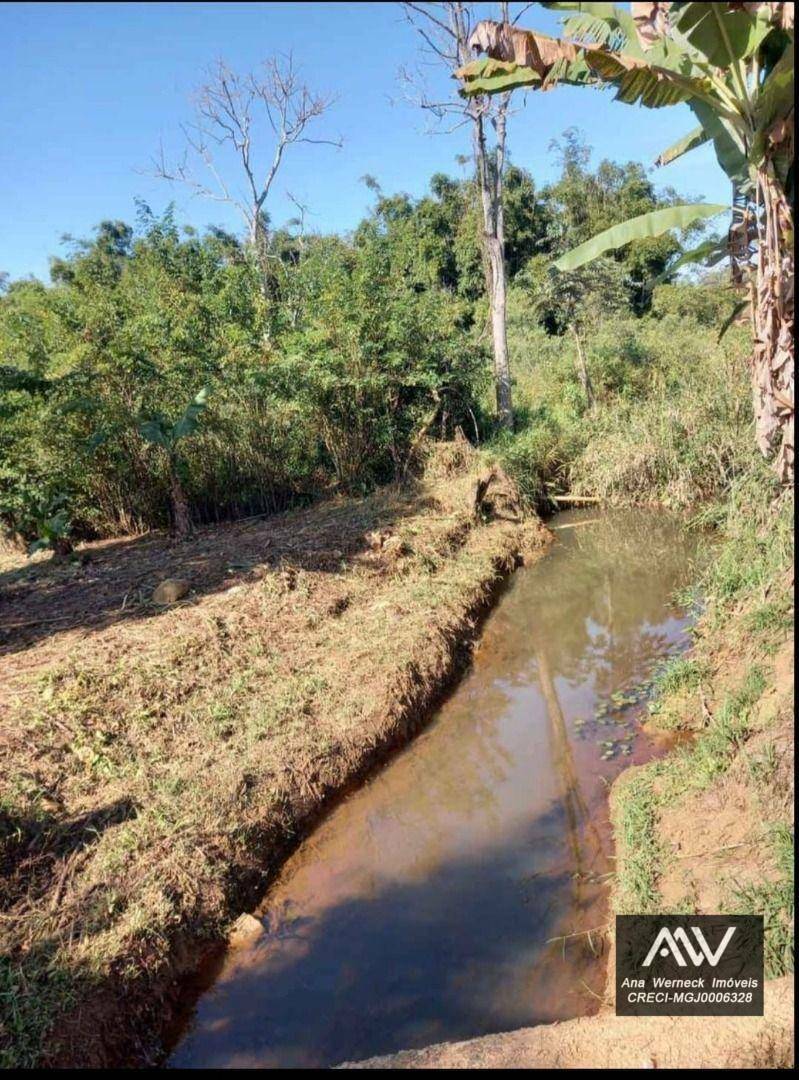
x=423, y=909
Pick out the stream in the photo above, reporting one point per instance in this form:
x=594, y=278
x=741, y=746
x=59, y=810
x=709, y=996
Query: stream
x=448, y=898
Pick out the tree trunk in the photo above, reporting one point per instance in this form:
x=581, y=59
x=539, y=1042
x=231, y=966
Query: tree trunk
x=489, y=178
x=489, y=182
x=772, y=362
x=181, y=518
x=582, y=370
x=259, y=243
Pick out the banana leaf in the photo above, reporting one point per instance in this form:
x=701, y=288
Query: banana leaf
x=722, y=35
x=688, y=142
x=643, y=227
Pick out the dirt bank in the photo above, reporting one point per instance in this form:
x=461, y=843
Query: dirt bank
x=159, y=763
x=606, y=1041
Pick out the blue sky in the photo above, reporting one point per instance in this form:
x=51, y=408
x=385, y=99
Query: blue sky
x=93, y=89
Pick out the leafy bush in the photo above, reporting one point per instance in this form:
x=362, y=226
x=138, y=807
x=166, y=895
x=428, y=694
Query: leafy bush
x=329, y=378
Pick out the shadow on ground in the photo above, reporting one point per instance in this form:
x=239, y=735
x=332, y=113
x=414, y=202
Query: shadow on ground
x=112, y=581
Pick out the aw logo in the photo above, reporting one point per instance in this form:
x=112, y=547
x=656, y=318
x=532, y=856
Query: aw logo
x=669, y=943
x=689, y=965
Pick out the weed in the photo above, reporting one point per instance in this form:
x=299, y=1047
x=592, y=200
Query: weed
x=640, y=857
x=774, y=900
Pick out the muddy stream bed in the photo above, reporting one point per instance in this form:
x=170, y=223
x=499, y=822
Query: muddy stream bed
x=434, y=904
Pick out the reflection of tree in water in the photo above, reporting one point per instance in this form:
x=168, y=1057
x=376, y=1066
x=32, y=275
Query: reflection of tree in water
x=578, y=820
x=603, y=594
x=593, y=609
x=596, y=608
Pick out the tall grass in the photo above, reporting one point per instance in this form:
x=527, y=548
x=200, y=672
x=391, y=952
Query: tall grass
x=672, y=422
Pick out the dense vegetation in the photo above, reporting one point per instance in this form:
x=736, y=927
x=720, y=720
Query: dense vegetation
x=733, y=66
x=331, y=375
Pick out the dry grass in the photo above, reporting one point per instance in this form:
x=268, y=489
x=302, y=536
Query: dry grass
x=158, y=764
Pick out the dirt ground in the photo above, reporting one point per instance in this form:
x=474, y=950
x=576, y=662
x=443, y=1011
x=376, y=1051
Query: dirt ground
x=606, y=1041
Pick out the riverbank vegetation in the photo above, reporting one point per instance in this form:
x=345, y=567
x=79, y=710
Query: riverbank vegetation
x=361, y=348
x=710, y=828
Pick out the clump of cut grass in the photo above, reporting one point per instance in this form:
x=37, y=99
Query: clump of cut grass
x=677, y=682
x=680, y=673
x=771, y=617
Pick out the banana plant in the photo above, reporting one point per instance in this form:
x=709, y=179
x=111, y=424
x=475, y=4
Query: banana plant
x=158, y=430
x=53, y=527
x=732, y=64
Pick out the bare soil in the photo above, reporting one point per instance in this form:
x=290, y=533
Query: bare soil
x=606, y=1041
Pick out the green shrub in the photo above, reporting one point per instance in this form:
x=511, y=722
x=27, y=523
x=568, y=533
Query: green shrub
x=672, y=419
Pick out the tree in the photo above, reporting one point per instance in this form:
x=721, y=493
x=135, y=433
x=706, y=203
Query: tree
x=588, y=201
x=379, y=354
x=573, y=302
x=733, y=65
x=257, y=117
x=445, y=30
x=160, y=432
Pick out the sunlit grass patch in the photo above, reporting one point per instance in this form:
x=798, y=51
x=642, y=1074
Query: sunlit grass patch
x=774, y=900
x=640, y=855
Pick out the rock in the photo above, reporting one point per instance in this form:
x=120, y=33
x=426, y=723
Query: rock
x=170, y=590
x=244, y=930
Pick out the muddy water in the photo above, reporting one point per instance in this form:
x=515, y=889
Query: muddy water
x=425, y=907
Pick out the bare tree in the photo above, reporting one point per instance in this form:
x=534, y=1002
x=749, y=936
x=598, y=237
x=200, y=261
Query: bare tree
x=252, y=120
x=445, y=30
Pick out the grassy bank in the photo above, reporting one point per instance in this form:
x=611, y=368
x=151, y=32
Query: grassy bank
x=671, y=421
x=159, y=763
x=710, y=828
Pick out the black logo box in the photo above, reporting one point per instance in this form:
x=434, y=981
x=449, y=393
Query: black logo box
x=689, y=965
